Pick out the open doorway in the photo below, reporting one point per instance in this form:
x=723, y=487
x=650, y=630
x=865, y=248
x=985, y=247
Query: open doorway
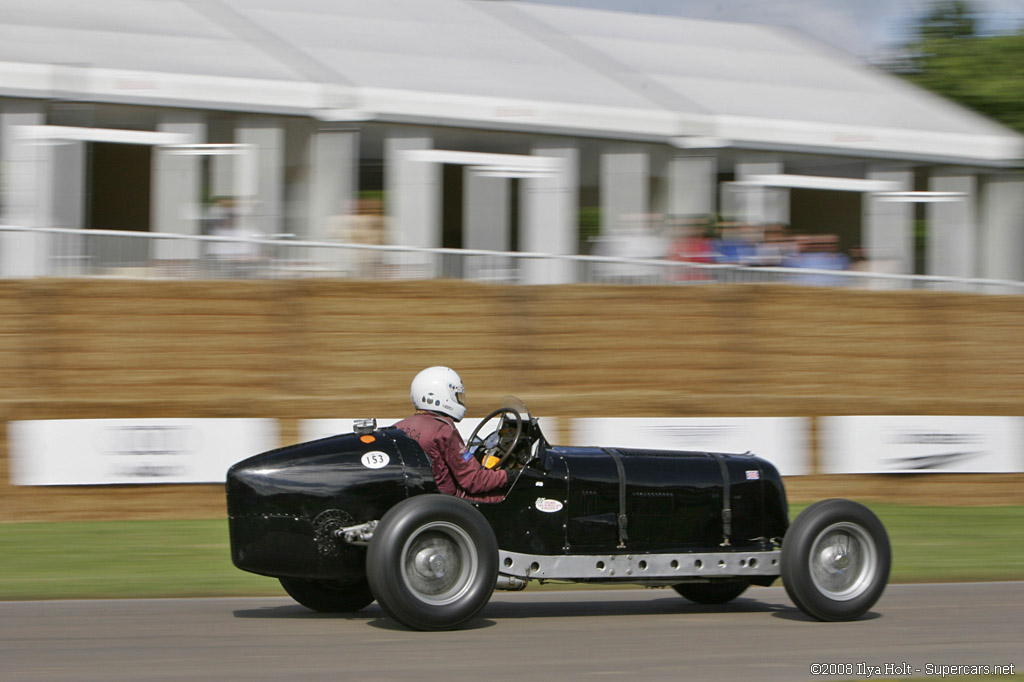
x=451, y=206
x=453, y=210
x=478, y=217
x=821, y=212
x=118, y=186
x=452, y=214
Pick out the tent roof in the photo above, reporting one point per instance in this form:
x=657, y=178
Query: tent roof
x=484, y=63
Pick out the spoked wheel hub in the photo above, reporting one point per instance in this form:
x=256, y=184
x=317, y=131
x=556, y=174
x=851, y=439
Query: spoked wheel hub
x=440, y=563
x=843, y=561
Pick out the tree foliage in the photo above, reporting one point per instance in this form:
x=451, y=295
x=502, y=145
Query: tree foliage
x=948, y=20
x=950, y=58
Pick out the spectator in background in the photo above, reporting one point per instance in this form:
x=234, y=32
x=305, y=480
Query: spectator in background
x=636, y=237
x=690, y=244
x=776, y=246
x=818, y=252
x=859, y=261
x=881, y=263
x=367, y=226
x=231, y=258
x=737, y=244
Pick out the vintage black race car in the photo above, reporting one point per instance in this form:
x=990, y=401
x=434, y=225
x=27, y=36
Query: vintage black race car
x=351, y=518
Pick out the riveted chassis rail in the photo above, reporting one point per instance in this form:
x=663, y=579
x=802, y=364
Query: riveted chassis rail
x=641, y=568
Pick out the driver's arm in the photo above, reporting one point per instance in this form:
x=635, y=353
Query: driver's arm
x=468, y=473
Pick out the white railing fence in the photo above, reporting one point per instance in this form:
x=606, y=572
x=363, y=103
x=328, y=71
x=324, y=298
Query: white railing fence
x=57, y=252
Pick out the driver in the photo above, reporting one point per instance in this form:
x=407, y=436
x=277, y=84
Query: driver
x=439, y=399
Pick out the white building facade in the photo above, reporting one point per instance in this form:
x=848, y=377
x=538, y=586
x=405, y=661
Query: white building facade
x=482, y=125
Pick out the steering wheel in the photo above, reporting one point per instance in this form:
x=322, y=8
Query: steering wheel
x=501, y=442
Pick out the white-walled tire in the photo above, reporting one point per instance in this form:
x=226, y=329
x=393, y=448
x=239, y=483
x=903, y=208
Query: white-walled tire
x=433, y=562
x=835, y=560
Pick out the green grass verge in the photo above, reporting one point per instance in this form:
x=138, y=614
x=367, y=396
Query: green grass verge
x=122, y=559
x=954, y=544
x=191, y=558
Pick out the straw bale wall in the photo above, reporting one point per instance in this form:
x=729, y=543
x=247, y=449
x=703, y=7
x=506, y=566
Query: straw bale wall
x=310, y=349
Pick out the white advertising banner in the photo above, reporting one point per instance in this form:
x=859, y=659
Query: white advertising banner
x=908, y=444
x=133, y=451
x=783, y=441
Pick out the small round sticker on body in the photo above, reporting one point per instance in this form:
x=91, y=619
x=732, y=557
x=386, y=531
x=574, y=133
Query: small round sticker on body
x=375, y=459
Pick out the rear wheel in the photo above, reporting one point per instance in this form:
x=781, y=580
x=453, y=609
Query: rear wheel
x=328, y=596
x=712, y=593
x=835, y=560
x=433, y=562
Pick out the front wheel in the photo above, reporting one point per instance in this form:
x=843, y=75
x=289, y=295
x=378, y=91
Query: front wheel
x=835, y=560
x=328, y=596
x=433, y=562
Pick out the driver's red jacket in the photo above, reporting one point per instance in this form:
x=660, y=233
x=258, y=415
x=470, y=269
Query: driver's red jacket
x=455, y=469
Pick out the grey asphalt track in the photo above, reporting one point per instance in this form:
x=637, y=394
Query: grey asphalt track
x=538, y=636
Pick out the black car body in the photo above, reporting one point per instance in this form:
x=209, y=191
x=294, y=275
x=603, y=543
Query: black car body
x=355, y=517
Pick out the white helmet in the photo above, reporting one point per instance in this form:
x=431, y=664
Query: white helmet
x=439, y=389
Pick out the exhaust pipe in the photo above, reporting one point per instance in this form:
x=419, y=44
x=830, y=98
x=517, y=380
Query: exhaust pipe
x=510, y=583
